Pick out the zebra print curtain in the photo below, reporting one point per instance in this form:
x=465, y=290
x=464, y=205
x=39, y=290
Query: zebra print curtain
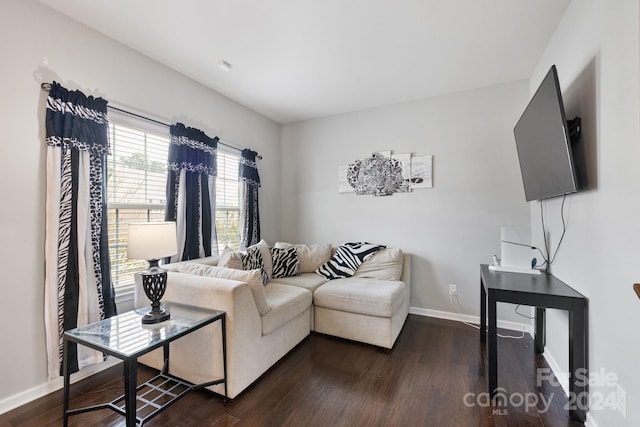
x=191, y=190
x=250, y=212
x=78, y=288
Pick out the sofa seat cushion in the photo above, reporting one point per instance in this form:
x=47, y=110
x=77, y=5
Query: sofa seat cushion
x=286, y=302
x=371, y=297
x=310, y=281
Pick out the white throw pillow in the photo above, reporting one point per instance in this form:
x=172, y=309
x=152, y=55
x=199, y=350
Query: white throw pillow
x=251, y=277
x=310, y=256
x=230, y=259
x=386, y=264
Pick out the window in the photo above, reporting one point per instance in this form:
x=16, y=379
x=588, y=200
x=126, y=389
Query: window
x=228, y=200
x=136, y=190
x=136, y=187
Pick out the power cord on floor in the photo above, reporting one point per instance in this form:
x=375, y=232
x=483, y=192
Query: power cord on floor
x=458, y=309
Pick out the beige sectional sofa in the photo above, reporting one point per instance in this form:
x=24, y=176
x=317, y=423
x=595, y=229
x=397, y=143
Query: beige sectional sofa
x=369, y=307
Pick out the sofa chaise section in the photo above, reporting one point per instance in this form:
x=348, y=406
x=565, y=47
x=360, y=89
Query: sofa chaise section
x=364, y=309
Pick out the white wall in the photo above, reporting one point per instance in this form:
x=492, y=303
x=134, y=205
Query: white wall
x=451, y=228
x=596, y=51
x=81, y=58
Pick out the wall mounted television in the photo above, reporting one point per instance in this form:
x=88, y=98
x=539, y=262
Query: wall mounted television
x=543, y=140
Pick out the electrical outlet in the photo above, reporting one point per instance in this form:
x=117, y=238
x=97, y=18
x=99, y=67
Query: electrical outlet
x=453, y=289
x=621, y=401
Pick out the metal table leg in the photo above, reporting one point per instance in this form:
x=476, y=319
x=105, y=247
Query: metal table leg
x=493, y=347
x=67, y=383
x=130, y=381
x=541, y=330
x=577, y=362
x=483, y=313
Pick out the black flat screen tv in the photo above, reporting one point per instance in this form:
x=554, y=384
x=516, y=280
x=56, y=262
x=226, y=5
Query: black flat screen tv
x=544, y=145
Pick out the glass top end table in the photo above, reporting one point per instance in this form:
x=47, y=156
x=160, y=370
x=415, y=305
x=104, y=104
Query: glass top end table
x=125, y=337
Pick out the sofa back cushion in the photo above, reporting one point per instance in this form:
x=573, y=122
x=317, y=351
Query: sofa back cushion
x=230, y=259
x=386, y=264
x=310, y=256
x=210, y=260
x=252, y=277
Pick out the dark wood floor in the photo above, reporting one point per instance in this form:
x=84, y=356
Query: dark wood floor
x=435, y=376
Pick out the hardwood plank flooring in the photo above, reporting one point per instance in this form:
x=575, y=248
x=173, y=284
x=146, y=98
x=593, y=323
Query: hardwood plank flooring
x=436, y=375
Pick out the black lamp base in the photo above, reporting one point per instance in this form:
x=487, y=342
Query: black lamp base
x=156, y=316
x=154, y=282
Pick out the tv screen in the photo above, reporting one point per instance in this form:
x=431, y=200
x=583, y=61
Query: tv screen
x=543, y=144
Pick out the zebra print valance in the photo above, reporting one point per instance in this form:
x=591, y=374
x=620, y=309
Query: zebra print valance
x=76, y=120
x=192, y=150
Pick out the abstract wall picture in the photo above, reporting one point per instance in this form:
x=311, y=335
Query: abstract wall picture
x=343, y=183
x=377, y=175
x=421, y=172
x=405, y=162
x=385, y=173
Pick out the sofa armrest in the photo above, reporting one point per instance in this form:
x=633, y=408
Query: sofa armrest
x=406, y=277
x=406, y=268
x=197, y=357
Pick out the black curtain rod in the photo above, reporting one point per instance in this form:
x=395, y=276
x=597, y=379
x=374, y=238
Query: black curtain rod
x=47, y=87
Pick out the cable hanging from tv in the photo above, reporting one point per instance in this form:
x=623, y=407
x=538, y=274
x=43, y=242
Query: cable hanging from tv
x=548, y=258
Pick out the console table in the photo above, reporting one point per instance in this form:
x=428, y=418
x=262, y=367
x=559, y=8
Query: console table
x=125, y=337
x=540, y=291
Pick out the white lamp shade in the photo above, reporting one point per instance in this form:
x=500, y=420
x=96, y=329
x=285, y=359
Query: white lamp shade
x=151, y=240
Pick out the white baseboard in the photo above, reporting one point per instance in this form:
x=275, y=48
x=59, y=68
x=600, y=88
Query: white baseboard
x=563, y=377
x=447, y=315
x=590, y=422
x=42, y=390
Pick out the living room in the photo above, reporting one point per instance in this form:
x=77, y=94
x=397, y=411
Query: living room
x=449, y=229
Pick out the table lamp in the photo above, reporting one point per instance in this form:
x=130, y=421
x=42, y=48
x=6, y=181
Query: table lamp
x=152, y=241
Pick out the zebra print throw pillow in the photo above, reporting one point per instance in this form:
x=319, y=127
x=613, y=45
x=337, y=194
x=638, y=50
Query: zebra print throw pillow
x=252, y=260
x=285, y=262
x=346, y=260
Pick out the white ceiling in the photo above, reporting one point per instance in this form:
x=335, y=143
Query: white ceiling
x=300, y=59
